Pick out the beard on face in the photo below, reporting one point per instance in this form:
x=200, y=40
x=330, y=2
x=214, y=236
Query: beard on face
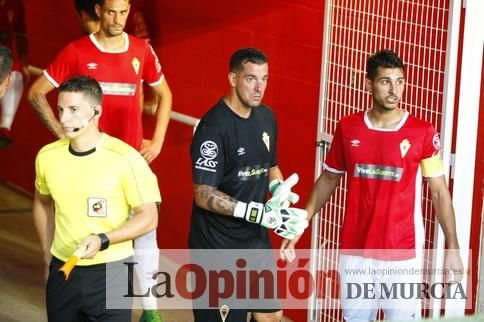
x=115, y=30
x=246, y=101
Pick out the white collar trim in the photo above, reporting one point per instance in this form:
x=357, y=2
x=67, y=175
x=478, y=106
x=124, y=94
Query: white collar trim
x=104, y=50
x=395, y=129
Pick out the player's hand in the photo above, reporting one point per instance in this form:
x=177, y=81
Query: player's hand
x=454, y=266
x=280, y=190
x=288, y=249
x=92, y=246
x=286, y=222
x=150, y=150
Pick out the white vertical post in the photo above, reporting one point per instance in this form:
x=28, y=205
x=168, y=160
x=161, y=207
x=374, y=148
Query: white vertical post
x=465, y=153
x=313, y=307
x=446, y=131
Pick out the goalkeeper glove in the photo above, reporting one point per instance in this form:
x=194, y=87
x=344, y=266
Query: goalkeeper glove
x=281, y=190
x=286, y=222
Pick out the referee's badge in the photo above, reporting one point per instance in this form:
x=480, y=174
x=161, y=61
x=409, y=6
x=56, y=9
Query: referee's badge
x=266, y=140
x=97, y=207
x=136, y=64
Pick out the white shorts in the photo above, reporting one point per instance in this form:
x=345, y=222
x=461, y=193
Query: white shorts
x=368, y=284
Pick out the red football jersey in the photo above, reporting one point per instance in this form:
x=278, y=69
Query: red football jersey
x=12, y=21
x=384, y=168
x=120, y=74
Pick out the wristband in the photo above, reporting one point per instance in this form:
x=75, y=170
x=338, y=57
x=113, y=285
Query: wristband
x=252, y=212
x=104, y=241
x=240, y=209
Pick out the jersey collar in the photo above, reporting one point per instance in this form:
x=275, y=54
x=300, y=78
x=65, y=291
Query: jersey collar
x=104, y=50
x=395, y=129
x=81, y=154
x=90, y=151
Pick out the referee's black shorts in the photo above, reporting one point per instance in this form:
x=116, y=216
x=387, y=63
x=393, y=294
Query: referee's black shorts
x=83, y=296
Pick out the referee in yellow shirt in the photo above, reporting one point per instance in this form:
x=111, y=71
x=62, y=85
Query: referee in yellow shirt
x=92, y=180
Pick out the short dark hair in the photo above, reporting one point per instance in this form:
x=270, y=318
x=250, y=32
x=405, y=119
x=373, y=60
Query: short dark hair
x=101, y=2
x=5, y=62
x=384, y=58
x=87, y=6
x=246, y=55
x=86, y=85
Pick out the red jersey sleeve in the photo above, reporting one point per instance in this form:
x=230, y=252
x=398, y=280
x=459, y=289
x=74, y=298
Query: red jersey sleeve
x=335, y=160
x=62, y=67
x=152, y=72
x=431, y=162
x=431, y=145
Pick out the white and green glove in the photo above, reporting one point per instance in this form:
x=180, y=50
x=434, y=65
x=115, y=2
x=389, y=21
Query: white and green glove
x=286, y=222
x=281, y=190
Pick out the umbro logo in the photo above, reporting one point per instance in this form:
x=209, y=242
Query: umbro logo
x=91, y=66
x=355, y=143
x=240, y=151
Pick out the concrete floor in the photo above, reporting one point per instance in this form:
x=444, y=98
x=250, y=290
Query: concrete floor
x=21, y=268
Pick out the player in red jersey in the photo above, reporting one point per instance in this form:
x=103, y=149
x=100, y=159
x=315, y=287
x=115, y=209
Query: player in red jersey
x=120, y=63
x=135, y=25
x=13, y=35
x=384, y=152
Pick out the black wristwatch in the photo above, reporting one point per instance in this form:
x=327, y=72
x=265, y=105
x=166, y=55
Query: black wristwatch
x=104, y=241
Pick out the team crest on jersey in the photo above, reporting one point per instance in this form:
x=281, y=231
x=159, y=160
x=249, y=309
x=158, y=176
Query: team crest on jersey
x=404, y=147
x=136, y=64
x=266, y=140
x=97, y=207
x=224, y=312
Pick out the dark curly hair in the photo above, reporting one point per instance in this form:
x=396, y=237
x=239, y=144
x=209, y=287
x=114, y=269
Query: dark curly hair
x=383, y=58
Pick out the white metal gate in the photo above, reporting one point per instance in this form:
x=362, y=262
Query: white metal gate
x=425, y=34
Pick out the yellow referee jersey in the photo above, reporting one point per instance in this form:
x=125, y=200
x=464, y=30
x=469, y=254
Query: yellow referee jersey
x=93, y=193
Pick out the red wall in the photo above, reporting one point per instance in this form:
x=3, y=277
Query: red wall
x=46, y=38
x=195, y=49
x=194, y=41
